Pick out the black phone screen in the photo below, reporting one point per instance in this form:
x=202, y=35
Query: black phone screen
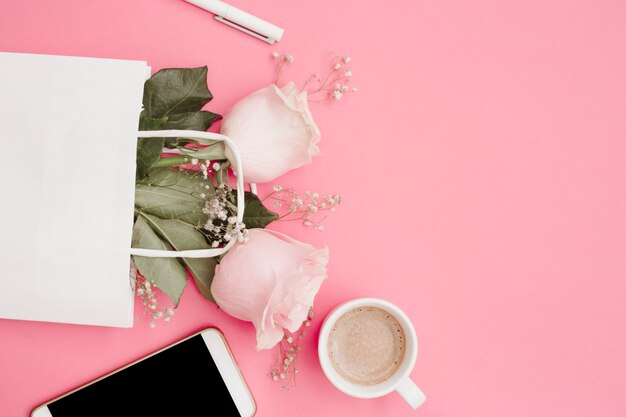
x=182, y=380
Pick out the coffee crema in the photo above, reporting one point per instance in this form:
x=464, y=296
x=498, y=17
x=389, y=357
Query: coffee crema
x=366, y=345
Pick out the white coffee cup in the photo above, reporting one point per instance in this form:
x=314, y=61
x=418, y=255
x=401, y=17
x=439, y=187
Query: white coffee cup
x=399, y=380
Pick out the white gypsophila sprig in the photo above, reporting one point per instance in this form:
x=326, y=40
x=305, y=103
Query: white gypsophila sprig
x=311, y=208
x=281, y=61
x=222, y=224
x=285, y=366
x=331, y=86
x=146, y=291
x=334, y=84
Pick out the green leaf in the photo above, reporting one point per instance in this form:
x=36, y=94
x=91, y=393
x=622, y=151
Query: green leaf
x=148, y=152
x=176, y=90
x=148, y=149
x=200, y=120
x=167, y=273
x=255, y=214
x=183, y=236
x=173, y=194
x=211, y=153
x=172, y=99
x=203, y=271
x=150, y=123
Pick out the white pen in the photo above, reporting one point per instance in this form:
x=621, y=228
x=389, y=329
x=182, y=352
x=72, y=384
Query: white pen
x=241, y=20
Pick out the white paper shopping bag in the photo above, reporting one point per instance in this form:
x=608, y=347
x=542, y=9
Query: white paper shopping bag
x=68, y=129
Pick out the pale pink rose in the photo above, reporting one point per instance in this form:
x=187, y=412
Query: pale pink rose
x=270, y=280
x=274, y=131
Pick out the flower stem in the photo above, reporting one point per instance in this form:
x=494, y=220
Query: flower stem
x=209, y=153
x=172, y=161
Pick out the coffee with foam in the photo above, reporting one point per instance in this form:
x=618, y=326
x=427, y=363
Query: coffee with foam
x=366, y=345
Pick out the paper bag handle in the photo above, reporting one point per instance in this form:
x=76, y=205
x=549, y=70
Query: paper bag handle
x=206, y=138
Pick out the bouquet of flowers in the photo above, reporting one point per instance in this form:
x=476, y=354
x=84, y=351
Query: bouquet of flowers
x=184, y=200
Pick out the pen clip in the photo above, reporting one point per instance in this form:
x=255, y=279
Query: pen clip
x=244, y=29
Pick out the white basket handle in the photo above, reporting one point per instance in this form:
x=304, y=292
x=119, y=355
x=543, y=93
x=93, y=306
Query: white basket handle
x=206, y=138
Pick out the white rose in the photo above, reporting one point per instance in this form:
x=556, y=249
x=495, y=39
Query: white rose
x=271, y=280
x=274, y=131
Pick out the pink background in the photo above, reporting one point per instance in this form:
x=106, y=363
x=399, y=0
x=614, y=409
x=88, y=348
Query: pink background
x=483, y=166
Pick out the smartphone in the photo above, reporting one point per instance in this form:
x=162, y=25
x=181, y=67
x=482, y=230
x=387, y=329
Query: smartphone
x=196, y=376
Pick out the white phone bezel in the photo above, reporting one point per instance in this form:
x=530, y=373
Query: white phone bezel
x=223, y=358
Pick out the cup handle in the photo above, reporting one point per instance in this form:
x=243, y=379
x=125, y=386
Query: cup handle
x=411, y=393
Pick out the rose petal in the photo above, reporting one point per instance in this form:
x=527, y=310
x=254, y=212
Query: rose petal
x=271, y=281
x=299, y=298
x=267, y=333
x=274, y=132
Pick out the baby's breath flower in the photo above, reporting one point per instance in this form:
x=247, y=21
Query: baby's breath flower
x=222, y=225
x=331, y=85
x=216, y=166
x=307, y=208
x=146, y=293
x=336, y=95
x=277, y=187
x=281, y=61
x=285, y=366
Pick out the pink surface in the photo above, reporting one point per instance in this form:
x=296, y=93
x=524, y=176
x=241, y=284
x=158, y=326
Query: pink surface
x=483, y=165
